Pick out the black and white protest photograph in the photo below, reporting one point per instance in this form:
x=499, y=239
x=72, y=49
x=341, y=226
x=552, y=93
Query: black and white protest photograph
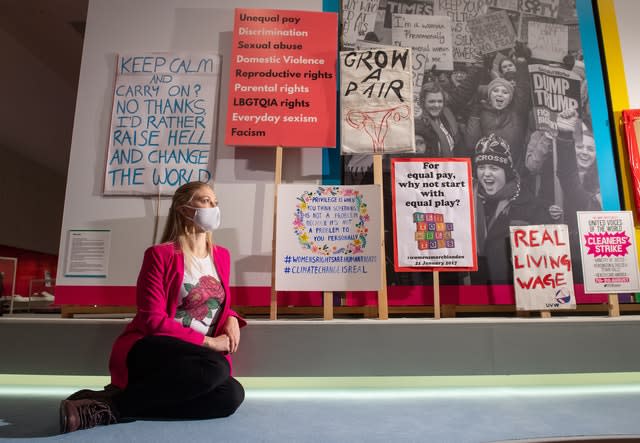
x=502, y=83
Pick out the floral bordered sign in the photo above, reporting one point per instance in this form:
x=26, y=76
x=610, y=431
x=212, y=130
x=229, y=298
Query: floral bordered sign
x=321, y=234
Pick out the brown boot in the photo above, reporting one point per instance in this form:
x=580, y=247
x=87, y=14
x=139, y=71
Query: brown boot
x=104, y=395
x=84, y=414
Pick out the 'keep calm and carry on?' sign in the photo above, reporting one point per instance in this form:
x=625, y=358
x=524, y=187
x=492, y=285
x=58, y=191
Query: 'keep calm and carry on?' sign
x=162, y=122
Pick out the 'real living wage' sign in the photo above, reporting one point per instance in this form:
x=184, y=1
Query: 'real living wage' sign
x=162, y=121
x=542, y=267
x=328, y=238
x=283, y=79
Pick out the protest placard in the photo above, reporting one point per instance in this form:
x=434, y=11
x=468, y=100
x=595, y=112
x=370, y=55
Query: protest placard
x=417, y=7
x=542, y=267
x=541, y=8
x=429, y=38
x=433, y=221
x=376, y=101
x=328, y=238
x=460, y=12
x=608, y=249
x=283, y=78
x=548, y=41
x=358, y=19
x=492, y=32
x=162, y=122
x=553, y=90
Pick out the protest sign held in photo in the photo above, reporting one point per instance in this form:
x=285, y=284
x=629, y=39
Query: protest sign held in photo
x=540, y=8
x=553, y=90
x=358, y=19
x=492, y=32
x=460, y=12
x=376, y=101
x=429, y=38
x=548, y=41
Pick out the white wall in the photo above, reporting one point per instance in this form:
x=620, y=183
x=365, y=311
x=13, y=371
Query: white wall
x=627, y=15
x=244, y=176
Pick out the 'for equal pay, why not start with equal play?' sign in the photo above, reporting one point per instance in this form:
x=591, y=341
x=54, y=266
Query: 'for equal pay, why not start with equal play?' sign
x=433, y=222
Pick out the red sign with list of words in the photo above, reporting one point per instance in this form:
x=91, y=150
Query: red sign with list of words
x=282, y=87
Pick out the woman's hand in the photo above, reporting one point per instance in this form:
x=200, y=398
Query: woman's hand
x=567, y=120
x=219, y=343
x=232, y=329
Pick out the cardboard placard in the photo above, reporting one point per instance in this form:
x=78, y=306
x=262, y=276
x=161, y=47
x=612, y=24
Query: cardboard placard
x=460, y=12
x=541, y=8
x=429, y=38
x=548, y=41
x=358, y=19
x=492, y=32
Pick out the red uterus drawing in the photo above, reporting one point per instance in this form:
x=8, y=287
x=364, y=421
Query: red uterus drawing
x=376, y=122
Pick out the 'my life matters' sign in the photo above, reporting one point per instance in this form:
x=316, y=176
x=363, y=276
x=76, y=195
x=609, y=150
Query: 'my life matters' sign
x=162, y=122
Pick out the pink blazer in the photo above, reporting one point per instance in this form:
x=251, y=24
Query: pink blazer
x=157, y=293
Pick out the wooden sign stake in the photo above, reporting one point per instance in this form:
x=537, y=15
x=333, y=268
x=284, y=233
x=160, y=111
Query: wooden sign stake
x=436, y=295
x=614, y=307
x=383, y=307
x=327, y=303
x=273, y=311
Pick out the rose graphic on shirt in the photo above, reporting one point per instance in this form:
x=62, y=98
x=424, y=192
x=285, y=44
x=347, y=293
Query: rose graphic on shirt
x=201, y=301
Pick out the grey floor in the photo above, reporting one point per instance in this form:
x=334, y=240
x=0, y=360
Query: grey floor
x=360, y=415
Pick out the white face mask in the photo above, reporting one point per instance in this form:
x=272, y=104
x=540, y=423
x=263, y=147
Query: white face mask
x=206, y=218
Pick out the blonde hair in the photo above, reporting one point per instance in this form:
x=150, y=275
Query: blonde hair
x=178, y=227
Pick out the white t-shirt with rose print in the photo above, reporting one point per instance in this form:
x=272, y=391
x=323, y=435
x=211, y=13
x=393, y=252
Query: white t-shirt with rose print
x=201, y=297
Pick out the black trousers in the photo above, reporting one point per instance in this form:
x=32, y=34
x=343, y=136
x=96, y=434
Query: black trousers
x=172, y=379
